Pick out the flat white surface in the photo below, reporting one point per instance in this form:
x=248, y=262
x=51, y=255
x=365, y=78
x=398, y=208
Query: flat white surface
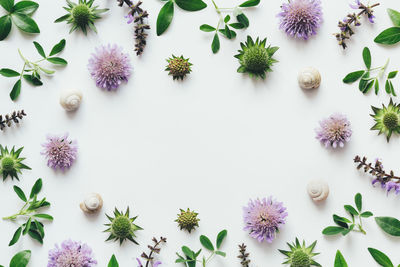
x=209, y=143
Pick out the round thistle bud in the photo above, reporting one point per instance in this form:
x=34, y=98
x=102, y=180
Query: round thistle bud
x=81, y=14
x=387, y=119
x=255, y=59
x=10, y=162
x=188, y=220
x=300, y=259
x=300, y=255
x=121, y=227
x=391, y=120
x=178, y=67
x=7, y=164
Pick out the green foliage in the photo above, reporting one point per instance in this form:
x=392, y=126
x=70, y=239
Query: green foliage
x=32, y=70
x=21, y=259
x=32, y=226
x=11, y=162
x=381, y=258
x=339, y=260
x=367, y=81
x=19, y=14
x=345, y=225
x=300, y=255
x=113, y=262
x=391, y=35
x=190, y=258
x=389, y=225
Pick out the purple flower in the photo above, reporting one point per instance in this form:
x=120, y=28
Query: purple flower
x=109, y=66
x=357, y=5
x=263, y=218
x=334, y=131
x=157, y=263
x=130, y=18
x=60, y=152
x=71, y=254
x=301, y=18
x=392, y=185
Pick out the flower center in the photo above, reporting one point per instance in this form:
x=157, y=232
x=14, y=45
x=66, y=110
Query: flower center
x=256, y=59
x=121, y=227
x=7, y=164
x=81, y=14
x=300, y=259
x=179, y=66
x=391, y=120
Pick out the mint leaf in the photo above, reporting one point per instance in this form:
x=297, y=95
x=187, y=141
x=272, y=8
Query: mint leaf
x=380, y=257
x=389, y=36
x=394, y=16
x=250, y=3
x=26, y=7
x=191, y=5
x=389, y=225
x=5, y=26
x=7, y=5
x=25, y=23
x=165, y=16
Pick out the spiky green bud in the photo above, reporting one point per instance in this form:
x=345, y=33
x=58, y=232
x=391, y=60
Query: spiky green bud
x=10, y=162
x=81, y=14
x=178, y=67
x=391, y=120
x=387, y=119
x=187, y=220
x=300, y=255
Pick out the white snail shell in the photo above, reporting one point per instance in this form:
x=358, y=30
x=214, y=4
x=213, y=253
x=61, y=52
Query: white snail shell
x=309, y=78
x=71, y=100
x=318, y=190
x=92, y=203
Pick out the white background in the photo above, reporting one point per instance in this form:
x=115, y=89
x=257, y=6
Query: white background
x=209, y=143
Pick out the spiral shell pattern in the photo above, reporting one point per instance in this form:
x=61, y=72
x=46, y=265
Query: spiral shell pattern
x=318, y=190
x=309, y=78
x=71, y=100
x=92, y=203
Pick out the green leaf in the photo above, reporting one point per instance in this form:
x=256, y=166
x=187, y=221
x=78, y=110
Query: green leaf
x=5, y=26
x=165, y=16
x=367, y=57
x=243, y=19
x=20, y=193
x=228, y=33
x=376, y=86
x=250, y=3
x=394, y=16
x=339, y=260
x=188, y=252
x=227, y=19
x=215, y=43
x=205, y=241
x=26, y=7
x=387, y=87
x=33, y=80
x=27, y=226
x=207, y=28
x=351, y=210
x=57, y=61
x=36, y=188
x=353, y=76
x=221, y=236
x=220, y=253
x=39, y=49
x=9, y=73
x=44, y=216
x=340, y=220
x=113, y=262
x=62, y=18
x=35, y=235
x=25, y=23
x=15, y=237
x=380, y=257
x=21, y=259
x=358, y=201
x=7, y=5
x=332, y=230
x=389, y=225
x=237, y=25
x=16, y=90
x=366, y=214
x=389, y=36
x=191, y=5
x=58, y=48
x=392, y=74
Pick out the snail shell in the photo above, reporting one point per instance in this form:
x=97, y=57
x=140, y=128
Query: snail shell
x=71, y=100
x=92, y=203
x=309, y=78
x=318, y=190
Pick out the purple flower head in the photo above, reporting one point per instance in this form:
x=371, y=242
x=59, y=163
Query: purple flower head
x=70, y=254
x=301, y=18
x=357, y=4
x=155, y=264
x=263, y=218
x=392, y=185
x=109, y=67
x=334, y=131
x=60, y=152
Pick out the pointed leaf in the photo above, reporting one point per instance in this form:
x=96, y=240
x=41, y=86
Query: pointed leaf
x=36, y=188
x=25, y=23
x=380, y=257
x=5, y=26
x=39, y=48
x=250, y=3
x=16, y=90
x=26, y=7
x=7, y=5
x=394, y=16
x=191, y=5
x=9, y=73
x=207, y=28
x=353, y=76
x=20, y=193
x=389, y=36
x=15, y=237
x=220, y=238
x=21, y=259
x=205, y=241
x=367, y=57
x=332, y=230
x=339, y=260
x=389, y=224
x=358, y=201
x=165, y=16
x=113, y=262
x=215, y=44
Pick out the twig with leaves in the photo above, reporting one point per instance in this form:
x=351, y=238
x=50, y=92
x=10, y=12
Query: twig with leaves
x=8, y=119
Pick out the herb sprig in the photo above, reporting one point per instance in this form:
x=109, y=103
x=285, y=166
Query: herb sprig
x=32, y=70
x=244, y=255
x=345, y=225
x=8, y=119
x=224, y=25
x=32, y=226
x=190, y=257
x=369, y=78
x=19, y=14
x=391, y=35
x=154, y=249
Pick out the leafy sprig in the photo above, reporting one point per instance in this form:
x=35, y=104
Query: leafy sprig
x=21, y=259
x=32, y=70
x=369, y=78
x=20, y=14
x=381, y=258
x=9, y=119
x=391, y=35
x=32, y=225
x=224, y=25
x=345, y=225
x=154, y=249
x=190, y=257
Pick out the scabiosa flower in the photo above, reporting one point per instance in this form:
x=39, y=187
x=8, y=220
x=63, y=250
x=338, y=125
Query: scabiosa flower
x=301, y=18
x=71, y=253
x=109, y=67
x=60, y=151
x=263, y=218
x=334, y=131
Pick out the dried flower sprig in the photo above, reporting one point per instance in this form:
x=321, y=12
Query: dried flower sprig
x=33, y=227
x=137, y=15
x=154, y=249
x=353, y=19
x=244, y=255
x=387, y=180
x=9, y=119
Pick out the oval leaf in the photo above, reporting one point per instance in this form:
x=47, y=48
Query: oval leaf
x=215, y=44
x=36, y=188
x=44, y=216
x=389, y=224
x=394, y=16
x=367, y=57
x=339, y=260
x=5, y=26
x=25, y=23
x=20, y=193
x=389, y=36
x=165, y=16
x=58, y=48
x=39, y=48
x=57, y=61
x=358, y=201
x=353, y=76
x=7, y=5
x=16, y=90
x=191, y=5
x=250, y=3
x=351, y=210
x=243, y=19
x=205, y=241
x=332, y=230
x=9, y=73
x=380, y=257
x=221, y=236
x=207, y=28
x=26, y=7
x=15, y=237
x=21, y=259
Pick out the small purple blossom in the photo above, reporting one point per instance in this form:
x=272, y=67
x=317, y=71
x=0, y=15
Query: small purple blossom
x=130, y=18
x=301, y=18
x=109, y=67
x=71, y=254
x=60, y=152
x=334, y=131
x=263, y=218
x=155, y=264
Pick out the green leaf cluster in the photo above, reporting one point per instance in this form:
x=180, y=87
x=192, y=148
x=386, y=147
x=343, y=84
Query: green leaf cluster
x=345, y=225
x=32, y=225
x=21, y=259
x=20, y=14
x=391, y=35
x=32, y=70
x=368, y=80
x=190, y=258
